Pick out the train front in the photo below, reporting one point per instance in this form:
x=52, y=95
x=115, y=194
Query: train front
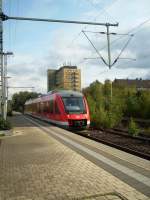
x=76, y=110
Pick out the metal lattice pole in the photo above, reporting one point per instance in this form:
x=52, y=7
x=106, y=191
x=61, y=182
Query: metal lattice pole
x=5, y=85
x=109, y=59
x=1, y=65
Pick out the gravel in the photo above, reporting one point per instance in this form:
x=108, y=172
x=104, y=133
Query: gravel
x=127, y=142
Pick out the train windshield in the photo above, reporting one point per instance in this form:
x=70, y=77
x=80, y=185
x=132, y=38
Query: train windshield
x=74, y=104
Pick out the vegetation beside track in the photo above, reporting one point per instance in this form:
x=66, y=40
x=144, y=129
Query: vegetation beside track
x=4, y=124
x=109, y=112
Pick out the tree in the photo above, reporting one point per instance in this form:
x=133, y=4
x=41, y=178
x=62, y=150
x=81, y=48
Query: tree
x=144, y=103
x=19, y=99
x=104, y=111
x=133, y=128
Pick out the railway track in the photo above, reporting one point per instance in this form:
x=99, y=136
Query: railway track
x=126, y=134
x=135, y=145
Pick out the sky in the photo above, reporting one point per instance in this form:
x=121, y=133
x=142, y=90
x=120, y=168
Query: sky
x=38, y=46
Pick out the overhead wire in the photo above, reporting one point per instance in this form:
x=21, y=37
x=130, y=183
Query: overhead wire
x=95, y=48
x=101, y=11
x=139, y=25
x=134, y=30
x=123, y=35
x=115, y=60
x=104, y=9
x=115, y=67
x=122, y=50
x=143, y=57
x=130, y=31
x=76, y=37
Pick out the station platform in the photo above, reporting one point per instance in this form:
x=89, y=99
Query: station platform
x=43, y=162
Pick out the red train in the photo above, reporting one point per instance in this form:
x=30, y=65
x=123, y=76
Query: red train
x=68, y=109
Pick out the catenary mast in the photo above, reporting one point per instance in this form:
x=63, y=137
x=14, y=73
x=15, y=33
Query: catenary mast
x=1, y=64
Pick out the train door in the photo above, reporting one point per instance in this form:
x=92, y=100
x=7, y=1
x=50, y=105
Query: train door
x=38, y=108
x=51, y=109
x=47, y=109
x=57, y=111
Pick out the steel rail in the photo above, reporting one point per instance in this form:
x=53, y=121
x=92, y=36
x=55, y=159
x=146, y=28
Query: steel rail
x=128, y=150
x=125, y=134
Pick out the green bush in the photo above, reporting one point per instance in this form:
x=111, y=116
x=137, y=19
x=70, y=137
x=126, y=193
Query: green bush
x=96, y=119
x=104, y=119
x=107, y=112
x=104, y=112
x=4, y=124
x=109, y=119
x=133, y=128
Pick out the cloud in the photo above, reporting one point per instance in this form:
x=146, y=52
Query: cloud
x=147, y=75
x=63, y=43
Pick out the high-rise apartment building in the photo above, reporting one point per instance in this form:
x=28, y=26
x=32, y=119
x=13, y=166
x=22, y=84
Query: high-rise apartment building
x=67, y=77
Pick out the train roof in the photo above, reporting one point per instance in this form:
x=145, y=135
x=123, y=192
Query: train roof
x=62, y=93
x=67, y=93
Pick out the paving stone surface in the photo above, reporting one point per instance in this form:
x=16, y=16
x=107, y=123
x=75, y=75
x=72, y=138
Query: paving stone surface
x=145, y=164
x=34, y=166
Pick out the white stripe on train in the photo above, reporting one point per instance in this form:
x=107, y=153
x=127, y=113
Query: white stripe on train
x=51, y=120
x=55, y=121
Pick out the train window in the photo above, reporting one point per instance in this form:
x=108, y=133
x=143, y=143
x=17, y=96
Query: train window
x=47, y=106
x=74, y=104
x=57, y=111
x=36, y=108
x=32, y=107
x=51, y=106
x=39, y=108
x=44, y=107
